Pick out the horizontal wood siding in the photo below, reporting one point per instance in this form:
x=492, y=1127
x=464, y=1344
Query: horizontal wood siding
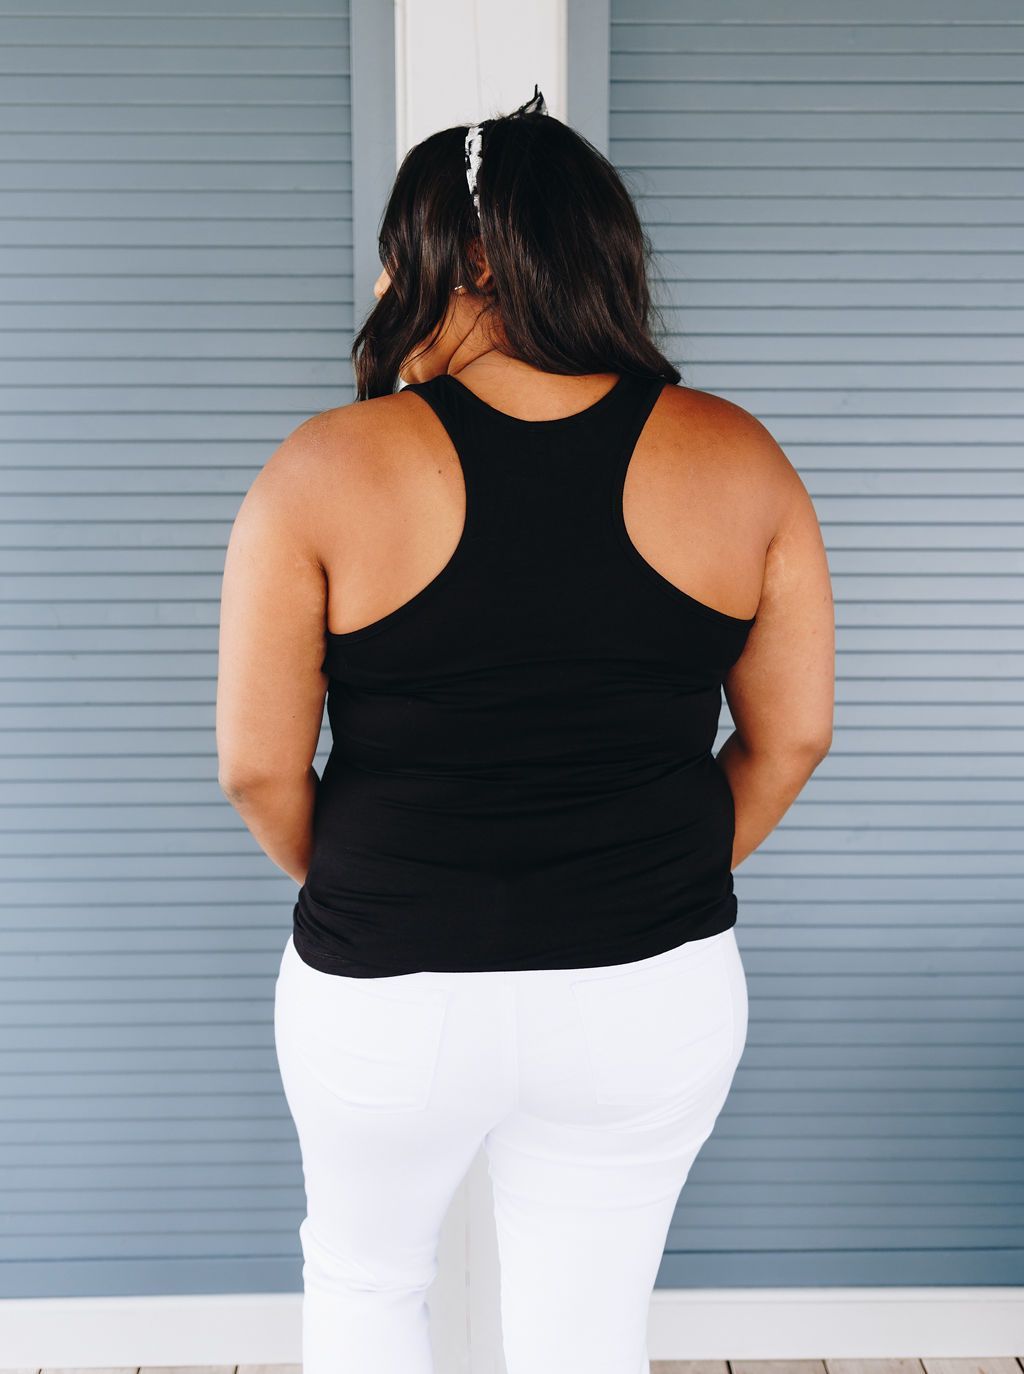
x=176, y=284
x=834, y=197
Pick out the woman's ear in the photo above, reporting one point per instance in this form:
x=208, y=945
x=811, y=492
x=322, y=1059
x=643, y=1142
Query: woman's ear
x=480, y=264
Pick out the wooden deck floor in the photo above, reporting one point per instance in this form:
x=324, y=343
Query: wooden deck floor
x=1007, y=1365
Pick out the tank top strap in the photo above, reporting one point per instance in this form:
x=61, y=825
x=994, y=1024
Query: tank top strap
x=630, y=414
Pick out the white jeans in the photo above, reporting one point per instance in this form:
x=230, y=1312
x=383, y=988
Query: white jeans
x=592, y=1090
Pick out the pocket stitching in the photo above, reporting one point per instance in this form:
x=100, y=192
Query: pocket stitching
x=417, y=1101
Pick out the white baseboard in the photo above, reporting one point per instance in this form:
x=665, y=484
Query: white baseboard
x=835, y=1323
x=684, y=1324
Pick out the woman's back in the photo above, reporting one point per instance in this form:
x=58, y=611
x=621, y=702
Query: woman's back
x=522, y=702
x=700, y=502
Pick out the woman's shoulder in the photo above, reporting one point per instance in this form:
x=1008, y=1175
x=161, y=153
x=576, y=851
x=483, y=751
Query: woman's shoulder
x=735, y=448
x=343, y=441
x=335, y=469
x=716, y=413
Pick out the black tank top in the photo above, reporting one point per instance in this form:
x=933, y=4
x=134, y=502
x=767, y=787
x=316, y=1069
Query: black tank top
x=521, y=772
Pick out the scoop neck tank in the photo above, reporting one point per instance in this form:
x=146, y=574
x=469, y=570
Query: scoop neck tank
x=520, y=773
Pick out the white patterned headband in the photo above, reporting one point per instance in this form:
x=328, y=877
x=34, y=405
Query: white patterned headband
x=475, y=142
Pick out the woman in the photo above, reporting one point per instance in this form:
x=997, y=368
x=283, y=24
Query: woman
x=524, y=578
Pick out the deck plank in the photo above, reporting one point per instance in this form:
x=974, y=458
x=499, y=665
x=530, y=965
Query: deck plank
x=995, y=1364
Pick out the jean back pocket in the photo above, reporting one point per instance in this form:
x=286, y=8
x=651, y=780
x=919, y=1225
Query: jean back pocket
x=370, y=1046
x=655, y=1033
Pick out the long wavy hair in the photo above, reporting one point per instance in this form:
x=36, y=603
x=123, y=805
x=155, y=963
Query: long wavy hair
x=568, y=255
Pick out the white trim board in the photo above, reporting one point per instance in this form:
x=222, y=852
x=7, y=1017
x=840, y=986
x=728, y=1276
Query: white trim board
x=459, y=61
x=701, y=1324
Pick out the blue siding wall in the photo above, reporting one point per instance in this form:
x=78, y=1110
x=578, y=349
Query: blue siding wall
x=176, y=283
x=837, y=216
x=836, y=211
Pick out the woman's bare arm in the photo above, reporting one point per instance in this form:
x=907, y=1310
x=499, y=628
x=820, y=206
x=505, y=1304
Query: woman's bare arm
x=781, y=690
x=270, y=689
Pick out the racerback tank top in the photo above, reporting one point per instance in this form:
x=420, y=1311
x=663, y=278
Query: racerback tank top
x=521, y=772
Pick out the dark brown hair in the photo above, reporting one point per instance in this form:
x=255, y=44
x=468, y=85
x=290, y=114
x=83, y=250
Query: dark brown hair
x=569, y=257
